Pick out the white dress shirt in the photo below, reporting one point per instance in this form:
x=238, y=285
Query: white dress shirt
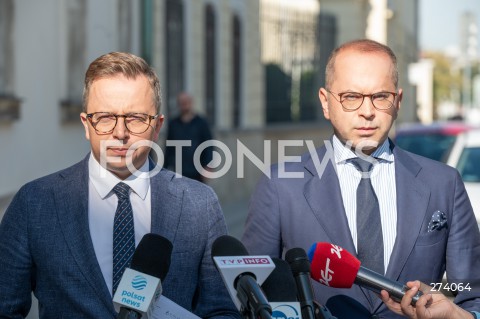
x=383, y=182
x=102, y=204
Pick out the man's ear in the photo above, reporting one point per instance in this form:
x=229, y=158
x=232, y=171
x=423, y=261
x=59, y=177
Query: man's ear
x=398, y=102
x=323, y=97
x=158, y=125
x=83, y=118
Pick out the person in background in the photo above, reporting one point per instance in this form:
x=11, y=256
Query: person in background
x=61, y=234
x=402, y=215
x=193, y=129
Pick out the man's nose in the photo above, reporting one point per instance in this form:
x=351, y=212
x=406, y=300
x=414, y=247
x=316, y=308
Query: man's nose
x=120, y=131
x=367, y=109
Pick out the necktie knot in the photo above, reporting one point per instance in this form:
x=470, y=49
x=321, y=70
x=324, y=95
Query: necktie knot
x=122, y=190
x=362, y=165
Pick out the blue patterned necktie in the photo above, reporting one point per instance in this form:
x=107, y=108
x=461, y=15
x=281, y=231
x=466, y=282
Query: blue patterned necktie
x=369, y=225
x=123, y=234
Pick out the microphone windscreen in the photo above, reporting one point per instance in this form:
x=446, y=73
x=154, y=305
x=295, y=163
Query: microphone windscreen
x=228, y=246
x=298, y=260
x=152, y=256
x=280, y=285
x=332, y=265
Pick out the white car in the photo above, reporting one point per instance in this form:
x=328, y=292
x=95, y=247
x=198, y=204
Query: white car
x=465, y=156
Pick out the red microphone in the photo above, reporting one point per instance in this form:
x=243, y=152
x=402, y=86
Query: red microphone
x=333, y=266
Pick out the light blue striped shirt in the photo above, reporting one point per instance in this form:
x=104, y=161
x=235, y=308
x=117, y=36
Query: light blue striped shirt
x=383, y=182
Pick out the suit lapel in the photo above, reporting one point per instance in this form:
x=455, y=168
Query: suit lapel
x=162, y=193
x=323, y=195
x=71, y=198
x=412, y=201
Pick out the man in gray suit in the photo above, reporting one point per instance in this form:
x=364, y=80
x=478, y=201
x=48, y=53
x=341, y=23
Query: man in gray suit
x=58, y=235
x=420, y=222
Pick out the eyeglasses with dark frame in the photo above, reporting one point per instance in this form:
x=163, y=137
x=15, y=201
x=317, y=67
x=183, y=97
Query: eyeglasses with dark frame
x=105, y=123
x=352, y=101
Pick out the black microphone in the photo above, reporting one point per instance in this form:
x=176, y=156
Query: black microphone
x=140, y=285
x=280, y=285
x=300, y=265
x=241, y=281
x=281, y=291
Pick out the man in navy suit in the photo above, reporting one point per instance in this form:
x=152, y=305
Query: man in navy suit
x=424, y=221
x=56, y=236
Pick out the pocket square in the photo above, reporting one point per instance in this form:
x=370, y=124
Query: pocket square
x=438, y=221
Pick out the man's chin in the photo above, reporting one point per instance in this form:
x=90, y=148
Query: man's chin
x=121, y=171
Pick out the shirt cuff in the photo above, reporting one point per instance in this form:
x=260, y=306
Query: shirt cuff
x=475, y=314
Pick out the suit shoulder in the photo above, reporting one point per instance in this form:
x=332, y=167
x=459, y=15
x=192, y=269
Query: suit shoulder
x=50, y=180
x=297, y=163
x=427, y=164
x=180, y=184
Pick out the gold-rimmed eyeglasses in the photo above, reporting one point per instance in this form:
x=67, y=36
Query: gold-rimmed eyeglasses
x=353, y=100
x=105, y=123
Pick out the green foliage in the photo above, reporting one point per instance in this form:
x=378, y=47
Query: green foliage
x=448, y=78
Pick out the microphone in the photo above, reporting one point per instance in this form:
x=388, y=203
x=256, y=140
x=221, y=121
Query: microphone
x=281, y=291
x=140, y=285
x=300, y=267
x=280, y=285
x=335, y=267
x=242, y=275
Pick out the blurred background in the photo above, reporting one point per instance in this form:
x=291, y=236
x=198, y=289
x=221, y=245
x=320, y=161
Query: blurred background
x=253, y=67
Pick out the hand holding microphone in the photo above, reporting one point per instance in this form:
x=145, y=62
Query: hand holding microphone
x=335, y=267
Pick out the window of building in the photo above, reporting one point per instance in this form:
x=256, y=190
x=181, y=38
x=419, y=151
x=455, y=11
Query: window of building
x=72, y=105
x=9, y=104
x=210, y=70
x=147, y=30
x=175, y=53
x=290, y=57
x=125, y=24
x=236, y=59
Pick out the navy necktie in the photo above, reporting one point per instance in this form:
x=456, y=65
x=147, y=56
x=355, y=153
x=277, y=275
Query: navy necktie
x=369, y=225
x=123, y=234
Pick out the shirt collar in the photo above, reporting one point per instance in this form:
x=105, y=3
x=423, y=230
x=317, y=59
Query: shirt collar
x=104, y=181
x=343, y=154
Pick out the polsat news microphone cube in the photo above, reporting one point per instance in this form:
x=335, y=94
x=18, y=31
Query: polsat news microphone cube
x=138, y=291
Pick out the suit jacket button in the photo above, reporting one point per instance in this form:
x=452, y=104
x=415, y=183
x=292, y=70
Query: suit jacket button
x=375, y=317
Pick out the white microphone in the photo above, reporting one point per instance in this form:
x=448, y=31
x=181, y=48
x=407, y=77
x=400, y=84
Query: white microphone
x=242, y=275
x=140, y=285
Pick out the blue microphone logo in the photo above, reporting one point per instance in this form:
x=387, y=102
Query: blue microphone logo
x=285, y=312
x=139, y=282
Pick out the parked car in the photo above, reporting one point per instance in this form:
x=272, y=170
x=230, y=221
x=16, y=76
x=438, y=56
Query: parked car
x=454, y=143
x=465, y=156
x=433, y=140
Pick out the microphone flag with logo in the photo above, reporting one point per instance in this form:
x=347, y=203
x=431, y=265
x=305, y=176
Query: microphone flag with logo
x=242, y=275
x=335, y=267
x=140, y=285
